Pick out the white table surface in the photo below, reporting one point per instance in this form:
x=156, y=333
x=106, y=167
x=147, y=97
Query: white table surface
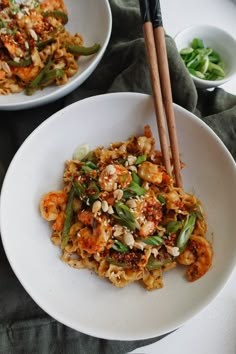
x=212, y=331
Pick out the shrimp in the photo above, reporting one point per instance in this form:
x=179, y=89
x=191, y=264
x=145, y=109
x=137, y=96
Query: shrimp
x=198, y=254
x=114, y=176
x=94, y=240
x=150, y=172
x=51, y=5
x=52, y=207
x=14, y=49
x=2, y=74
x=52, y=204
x=26, y=74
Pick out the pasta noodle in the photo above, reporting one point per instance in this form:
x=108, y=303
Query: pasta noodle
x=36, y=50
x=121, y=215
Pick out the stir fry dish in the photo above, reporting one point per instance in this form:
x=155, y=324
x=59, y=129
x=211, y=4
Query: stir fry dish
x=36, y=50
x=120, y=215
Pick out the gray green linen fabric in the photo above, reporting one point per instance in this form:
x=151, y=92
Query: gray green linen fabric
x=24, y=326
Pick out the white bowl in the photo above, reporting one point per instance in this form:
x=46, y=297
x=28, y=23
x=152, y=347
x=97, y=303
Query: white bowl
x=93, y=20
x=217, y=39
x=79, y=298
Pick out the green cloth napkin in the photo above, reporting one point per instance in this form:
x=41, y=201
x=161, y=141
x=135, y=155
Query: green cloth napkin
x=24, y=327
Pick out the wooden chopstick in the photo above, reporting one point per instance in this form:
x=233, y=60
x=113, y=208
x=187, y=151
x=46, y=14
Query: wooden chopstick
x=160, y=80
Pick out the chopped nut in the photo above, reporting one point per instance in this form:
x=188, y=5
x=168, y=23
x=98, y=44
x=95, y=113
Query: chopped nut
x=173, y=251
x=133, y=168
x=110, y=169
x=118, y=194
x=96, y=206
x=110, y=210
x=131, y=159
x=131, y=203
x=129, y=239
x=104, y=206
x=118, y=230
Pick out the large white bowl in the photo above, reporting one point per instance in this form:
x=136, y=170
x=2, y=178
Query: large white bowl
x=93, y=20
x=219, y=40
x=79, y=298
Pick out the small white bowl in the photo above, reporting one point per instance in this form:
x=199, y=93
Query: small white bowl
x=217, y=39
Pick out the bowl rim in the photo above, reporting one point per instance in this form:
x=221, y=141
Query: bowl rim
x=59, y=114
x=208, y=83
x=69, y=87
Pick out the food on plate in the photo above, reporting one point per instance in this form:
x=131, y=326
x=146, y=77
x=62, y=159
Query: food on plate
x=203, y=62
x=36, y=50
x=120, y=215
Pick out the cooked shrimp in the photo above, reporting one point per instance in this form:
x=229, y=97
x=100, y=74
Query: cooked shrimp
x=51, y=5
x=2, y=74
x=52, y=204
x=114, y=176
x=150, y=172
x=198, y=254
x=94, y=240
x=26, y=74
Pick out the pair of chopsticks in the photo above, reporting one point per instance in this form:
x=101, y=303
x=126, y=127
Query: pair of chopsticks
x=160, y=79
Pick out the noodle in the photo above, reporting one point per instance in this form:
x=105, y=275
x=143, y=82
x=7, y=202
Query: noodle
x=120, y=215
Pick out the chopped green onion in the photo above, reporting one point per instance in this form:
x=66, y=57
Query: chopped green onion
x=141, y=159
x=173, y=226
x=161, y=199
x=197, y=43
x=136, y=178
x=91, y=165
x=155, y=263
x=86, y=168
x=202, y=62
x=136, y=188
x=119, y=246
x=152, y=240
x=186, y=232
x=125, y=216
x=195, y=209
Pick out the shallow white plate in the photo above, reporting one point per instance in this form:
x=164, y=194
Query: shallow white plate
x=93, y=20
x=78, y=298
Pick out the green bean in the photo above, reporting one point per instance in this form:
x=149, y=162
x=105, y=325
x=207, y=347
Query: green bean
x=36, y=82
x=155, y=263
x=20, y=64
x=161, y=199
x=80, y=50
x=141, y=159
x=186, y=232
x=153, y=240
x=79, y=189
x=119, y=246
x=68, y=218
x=43, y=44
x=173, y=226
x=51, y=76
x=58, y=14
